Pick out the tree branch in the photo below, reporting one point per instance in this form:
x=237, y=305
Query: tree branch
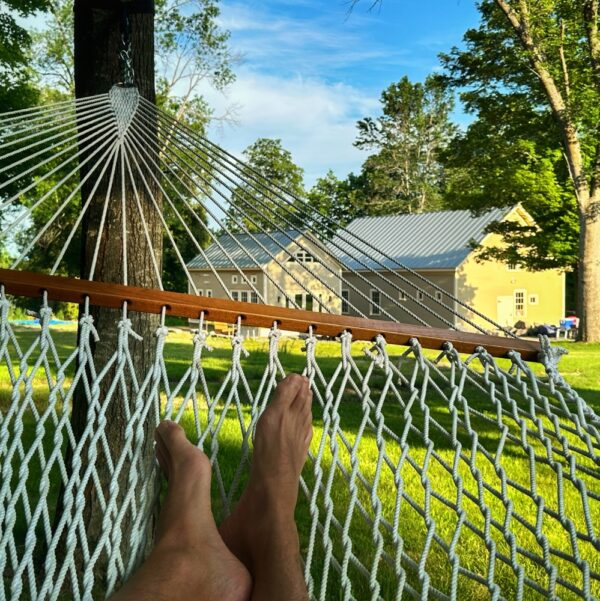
x=563, y=61
x=590, y=18
x=520, y=24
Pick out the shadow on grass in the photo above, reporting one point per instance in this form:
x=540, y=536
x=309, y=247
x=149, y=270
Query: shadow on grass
x=383, y=511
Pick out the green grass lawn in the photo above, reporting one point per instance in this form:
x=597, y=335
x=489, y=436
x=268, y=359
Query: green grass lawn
x=377, y=466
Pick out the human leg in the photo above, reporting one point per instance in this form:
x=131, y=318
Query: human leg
x=190, y=560
x=262, y=531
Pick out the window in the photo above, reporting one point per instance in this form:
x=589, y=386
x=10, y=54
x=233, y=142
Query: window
x=200, y=292
x=534, y=299
x=420, y=295
x=402, y=296
x=244, y=296
x=320, y=303
x=345, y=304
x=253, y=297
x=513, y=267
x=375, y=302
x=308, y=302
x=208, y=293
x=235, y=295
x=253, y=279
x=302, y=256
x=279, y=300
x=520, y=296
x=438, y=295
x=298, y=298
x=234, y=279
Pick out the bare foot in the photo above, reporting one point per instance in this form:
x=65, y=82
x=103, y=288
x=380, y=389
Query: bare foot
x=261, y=531
x=189, y=559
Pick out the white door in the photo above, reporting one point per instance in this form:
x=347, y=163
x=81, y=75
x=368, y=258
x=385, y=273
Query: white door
x=505, y=311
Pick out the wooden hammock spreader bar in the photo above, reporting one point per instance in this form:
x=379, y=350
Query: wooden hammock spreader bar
x=31, y=284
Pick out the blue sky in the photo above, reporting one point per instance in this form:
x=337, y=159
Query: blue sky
x=311, y=69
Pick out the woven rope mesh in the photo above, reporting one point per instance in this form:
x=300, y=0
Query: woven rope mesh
x=429, y=476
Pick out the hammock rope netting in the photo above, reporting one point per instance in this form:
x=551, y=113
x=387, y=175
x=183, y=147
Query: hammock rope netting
x=436, y=470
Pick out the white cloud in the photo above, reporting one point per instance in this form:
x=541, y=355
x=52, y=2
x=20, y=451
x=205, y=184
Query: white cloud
x=315, y=120
x=314, y=42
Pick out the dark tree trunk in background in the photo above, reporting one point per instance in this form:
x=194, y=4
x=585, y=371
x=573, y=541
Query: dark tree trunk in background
x=98, y=43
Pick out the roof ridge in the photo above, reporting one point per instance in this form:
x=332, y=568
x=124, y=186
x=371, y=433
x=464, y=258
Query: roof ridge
x=422, y=213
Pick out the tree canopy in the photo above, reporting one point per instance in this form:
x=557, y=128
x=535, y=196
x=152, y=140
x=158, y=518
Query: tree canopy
x=191, y=49
x=405, y=173
x=16, y=90
x=510, y=155
x=542, y=58
x=258, y=205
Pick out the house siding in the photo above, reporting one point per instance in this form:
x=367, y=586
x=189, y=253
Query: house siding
x=323, y=283
x=328, y=289
x=483, y=285
x=442, y=279
x=207, y=280
x=491, y=287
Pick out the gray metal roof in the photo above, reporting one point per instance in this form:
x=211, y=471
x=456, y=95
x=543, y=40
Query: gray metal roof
x=437, y=240
x=244, y=250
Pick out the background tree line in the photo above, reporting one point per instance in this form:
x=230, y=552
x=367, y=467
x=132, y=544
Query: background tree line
x=528, y=76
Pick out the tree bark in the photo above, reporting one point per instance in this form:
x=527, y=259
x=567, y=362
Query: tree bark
x=589, y=271
x=98, y=43
x=587, y=189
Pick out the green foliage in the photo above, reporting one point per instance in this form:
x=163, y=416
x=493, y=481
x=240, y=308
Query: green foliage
x=5, y=258
x=514, y=151
x=16, y=88
x=53, y=56
x=333, y=203
x=191, y=48
x=259, y=206
x=405, y=174
x=173, y=275
x=509, y=156
x=190, y=44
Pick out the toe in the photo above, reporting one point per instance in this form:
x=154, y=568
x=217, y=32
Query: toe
x=171, y=435
x=288, y=388
x=303, y=398
x=180, y=453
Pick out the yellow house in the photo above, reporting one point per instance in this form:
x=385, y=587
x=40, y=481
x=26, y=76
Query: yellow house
x=436, y=246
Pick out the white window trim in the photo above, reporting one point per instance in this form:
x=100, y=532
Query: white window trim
x=374, y=308
x=346, y=300
x=524, y=291
x=402, y=296
x=420, y=296
x=439, y=295
x=234, y=279
x=253, y=279
x=208, y=293
x=248, y=294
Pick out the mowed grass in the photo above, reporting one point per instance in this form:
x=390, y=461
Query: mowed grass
x=379, y=465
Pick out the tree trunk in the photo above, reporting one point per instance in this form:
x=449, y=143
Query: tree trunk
x=589, y=272
x=98, y=43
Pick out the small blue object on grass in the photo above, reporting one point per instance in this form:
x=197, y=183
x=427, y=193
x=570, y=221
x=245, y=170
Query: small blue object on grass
x=36, y=322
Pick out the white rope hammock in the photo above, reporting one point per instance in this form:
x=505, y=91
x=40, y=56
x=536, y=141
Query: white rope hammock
x=442, y=475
